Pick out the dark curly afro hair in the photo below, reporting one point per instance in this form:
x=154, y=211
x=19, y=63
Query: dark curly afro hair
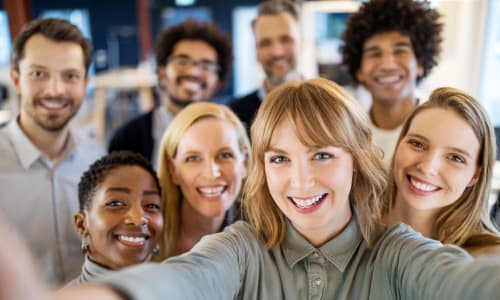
x=415, y=19
x=98, y=171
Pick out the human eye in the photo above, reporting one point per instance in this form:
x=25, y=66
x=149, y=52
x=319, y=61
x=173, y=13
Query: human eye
x=37, y=74
x=415, y=143
x=278, y=159
x=152, y=206
x=457, y=158
x=209, y=66
x=372, y=53
x=264, y=43
x=72, y=76
x=114, y=203
x=322, y=156
x=226, y=155
x=286, y=39
x=401, y=50
x=191, y=158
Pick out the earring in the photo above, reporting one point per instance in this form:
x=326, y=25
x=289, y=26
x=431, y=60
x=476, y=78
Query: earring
x=156, y=250
x=85, y=246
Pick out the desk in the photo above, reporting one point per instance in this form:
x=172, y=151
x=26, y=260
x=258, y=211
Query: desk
x=139, y=79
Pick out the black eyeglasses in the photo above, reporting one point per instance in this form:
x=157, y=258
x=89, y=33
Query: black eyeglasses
x=183, y=62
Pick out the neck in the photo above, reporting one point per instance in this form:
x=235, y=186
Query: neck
x=50, y=143
x=420, y=220
x=194, y=226
x=391, y=116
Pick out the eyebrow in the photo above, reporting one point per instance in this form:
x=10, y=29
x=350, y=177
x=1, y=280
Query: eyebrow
x=309, y=149
x=377, y=47
x=127, y=191
x=455, y=149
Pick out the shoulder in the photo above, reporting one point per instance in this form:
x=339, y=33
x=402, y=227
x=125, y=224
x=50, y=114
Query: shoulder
x=485, y=250
x=252, y=98
x=141, y=121
x=136, y=127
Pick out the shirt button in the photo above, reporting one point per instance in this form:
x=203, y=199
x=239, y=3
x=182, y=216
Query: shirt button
x=317, y=281
x=316, y=255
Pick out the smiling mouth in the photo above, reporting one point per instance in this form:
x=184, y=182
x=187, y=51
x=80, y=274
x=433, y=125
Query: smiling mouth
x=308, y=202
x=389, y=79
x=211, y=192
x=53, y=104
x=132, y=241
x=421, y=186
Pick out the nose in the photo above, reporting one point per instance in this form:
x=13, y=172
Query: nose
x=301, y=175
x=211, y=169
x=55, y=87
x=277, y=49
x=136, y=215
x=387, y=60
x=429, y=164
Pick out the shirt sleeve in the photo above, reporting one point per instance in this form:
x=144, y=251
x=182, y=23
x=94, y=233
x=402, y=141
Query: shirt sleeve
x=211, y=270
x=421, y=268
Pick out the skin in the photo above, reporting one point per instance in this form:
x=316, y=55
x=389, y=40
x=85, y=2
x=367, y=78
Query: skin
x=389, y=70
x=296, y=172
x=433, y=165
x=124, y=220
x=51, y=89
x=209, y=168
x=190, y=84
x=277, y=41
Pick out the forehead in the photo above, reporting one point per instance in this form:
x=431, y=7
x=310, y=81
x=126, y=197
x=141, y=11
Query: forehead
x=209, y=132
x=452, y=130
x=127, y=176
x=274, y=25
x=42, y=51
x=391, y=38
x=196, y=49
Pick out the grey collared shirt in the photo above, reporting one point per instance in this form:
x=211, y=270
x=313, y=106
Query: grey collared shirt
x=235, y=265
x=39, y=197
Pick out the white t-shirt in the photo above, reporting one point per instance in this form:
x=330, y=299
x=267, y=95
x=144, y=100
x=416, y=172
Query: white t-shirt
x=386, y=140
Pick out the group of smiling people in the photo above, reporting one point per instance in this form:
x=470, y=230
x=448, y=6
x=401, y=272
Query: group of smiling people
x=322, y=215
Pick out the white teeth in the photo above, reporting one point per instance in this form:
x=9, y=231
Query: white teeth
x=388, y=79
x=191, y=85
x=132, y=239
x=53, y=104
x=306, y=203
x=211, y=191
x=422, y=186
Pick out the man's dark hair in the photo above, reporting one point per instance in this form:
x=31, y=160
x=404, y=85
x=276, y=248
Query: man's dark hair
x=414, y=19
x=97, y=172
x=276, y=7
x=194, y=30
x=54, y=29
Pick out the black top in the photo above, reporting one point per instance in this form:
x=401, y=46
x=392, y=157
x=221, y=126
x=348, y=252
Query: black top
x=246, y=108
x=136, y=135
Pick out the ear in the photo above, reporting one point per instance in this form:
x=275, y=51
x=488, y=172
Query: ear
x=359, y=76
x=245, y=163
x=15, y=77
x=172, y=171
x=475, y=178
x=80, y=220
x=162, y=75
x=420, y=69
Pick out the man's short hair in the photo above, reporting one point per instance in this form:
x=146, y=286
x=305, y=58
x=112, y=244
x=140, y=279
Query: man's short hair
x=54, y=29
x=415, y=19
x=276, y=7
x=194, y=30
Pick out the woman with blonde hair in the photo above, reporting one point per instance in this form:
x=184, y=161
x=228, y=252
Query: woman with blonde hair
x=202, y=165
x=442, y=170
x=313, y=198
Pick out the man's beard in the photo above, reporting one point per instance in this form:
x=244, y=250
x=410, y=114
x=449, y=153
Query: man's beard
x=180, y=102
x=290, y=76
x=51, y=123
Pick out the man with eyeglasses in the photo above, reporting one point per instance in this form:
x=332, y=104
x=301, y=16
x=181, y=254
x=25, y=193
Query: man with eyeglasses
x=277, y=42
x=193, y=61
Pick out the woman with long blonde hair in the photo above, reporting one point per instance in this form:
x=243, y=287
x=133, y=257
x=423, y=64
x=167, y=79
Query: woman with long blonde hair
x=442, y=170
x=202, y=166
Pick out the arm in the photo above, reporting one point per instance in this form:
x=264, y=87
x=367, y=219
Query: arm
x=211, y=270
x=421, y=268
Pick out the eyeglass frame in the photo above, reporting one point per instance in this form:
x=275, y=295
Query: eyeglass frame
x=184, y=61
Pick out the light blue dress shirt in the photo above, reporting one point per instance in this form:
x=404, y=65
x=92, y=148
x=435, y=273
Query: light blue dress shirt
x=39, y=197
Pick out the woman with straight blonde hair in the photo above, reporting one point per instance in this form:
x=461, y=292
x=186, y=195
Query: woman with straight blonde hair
x=202, y=165
x=442, y=170
x=314, y=203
